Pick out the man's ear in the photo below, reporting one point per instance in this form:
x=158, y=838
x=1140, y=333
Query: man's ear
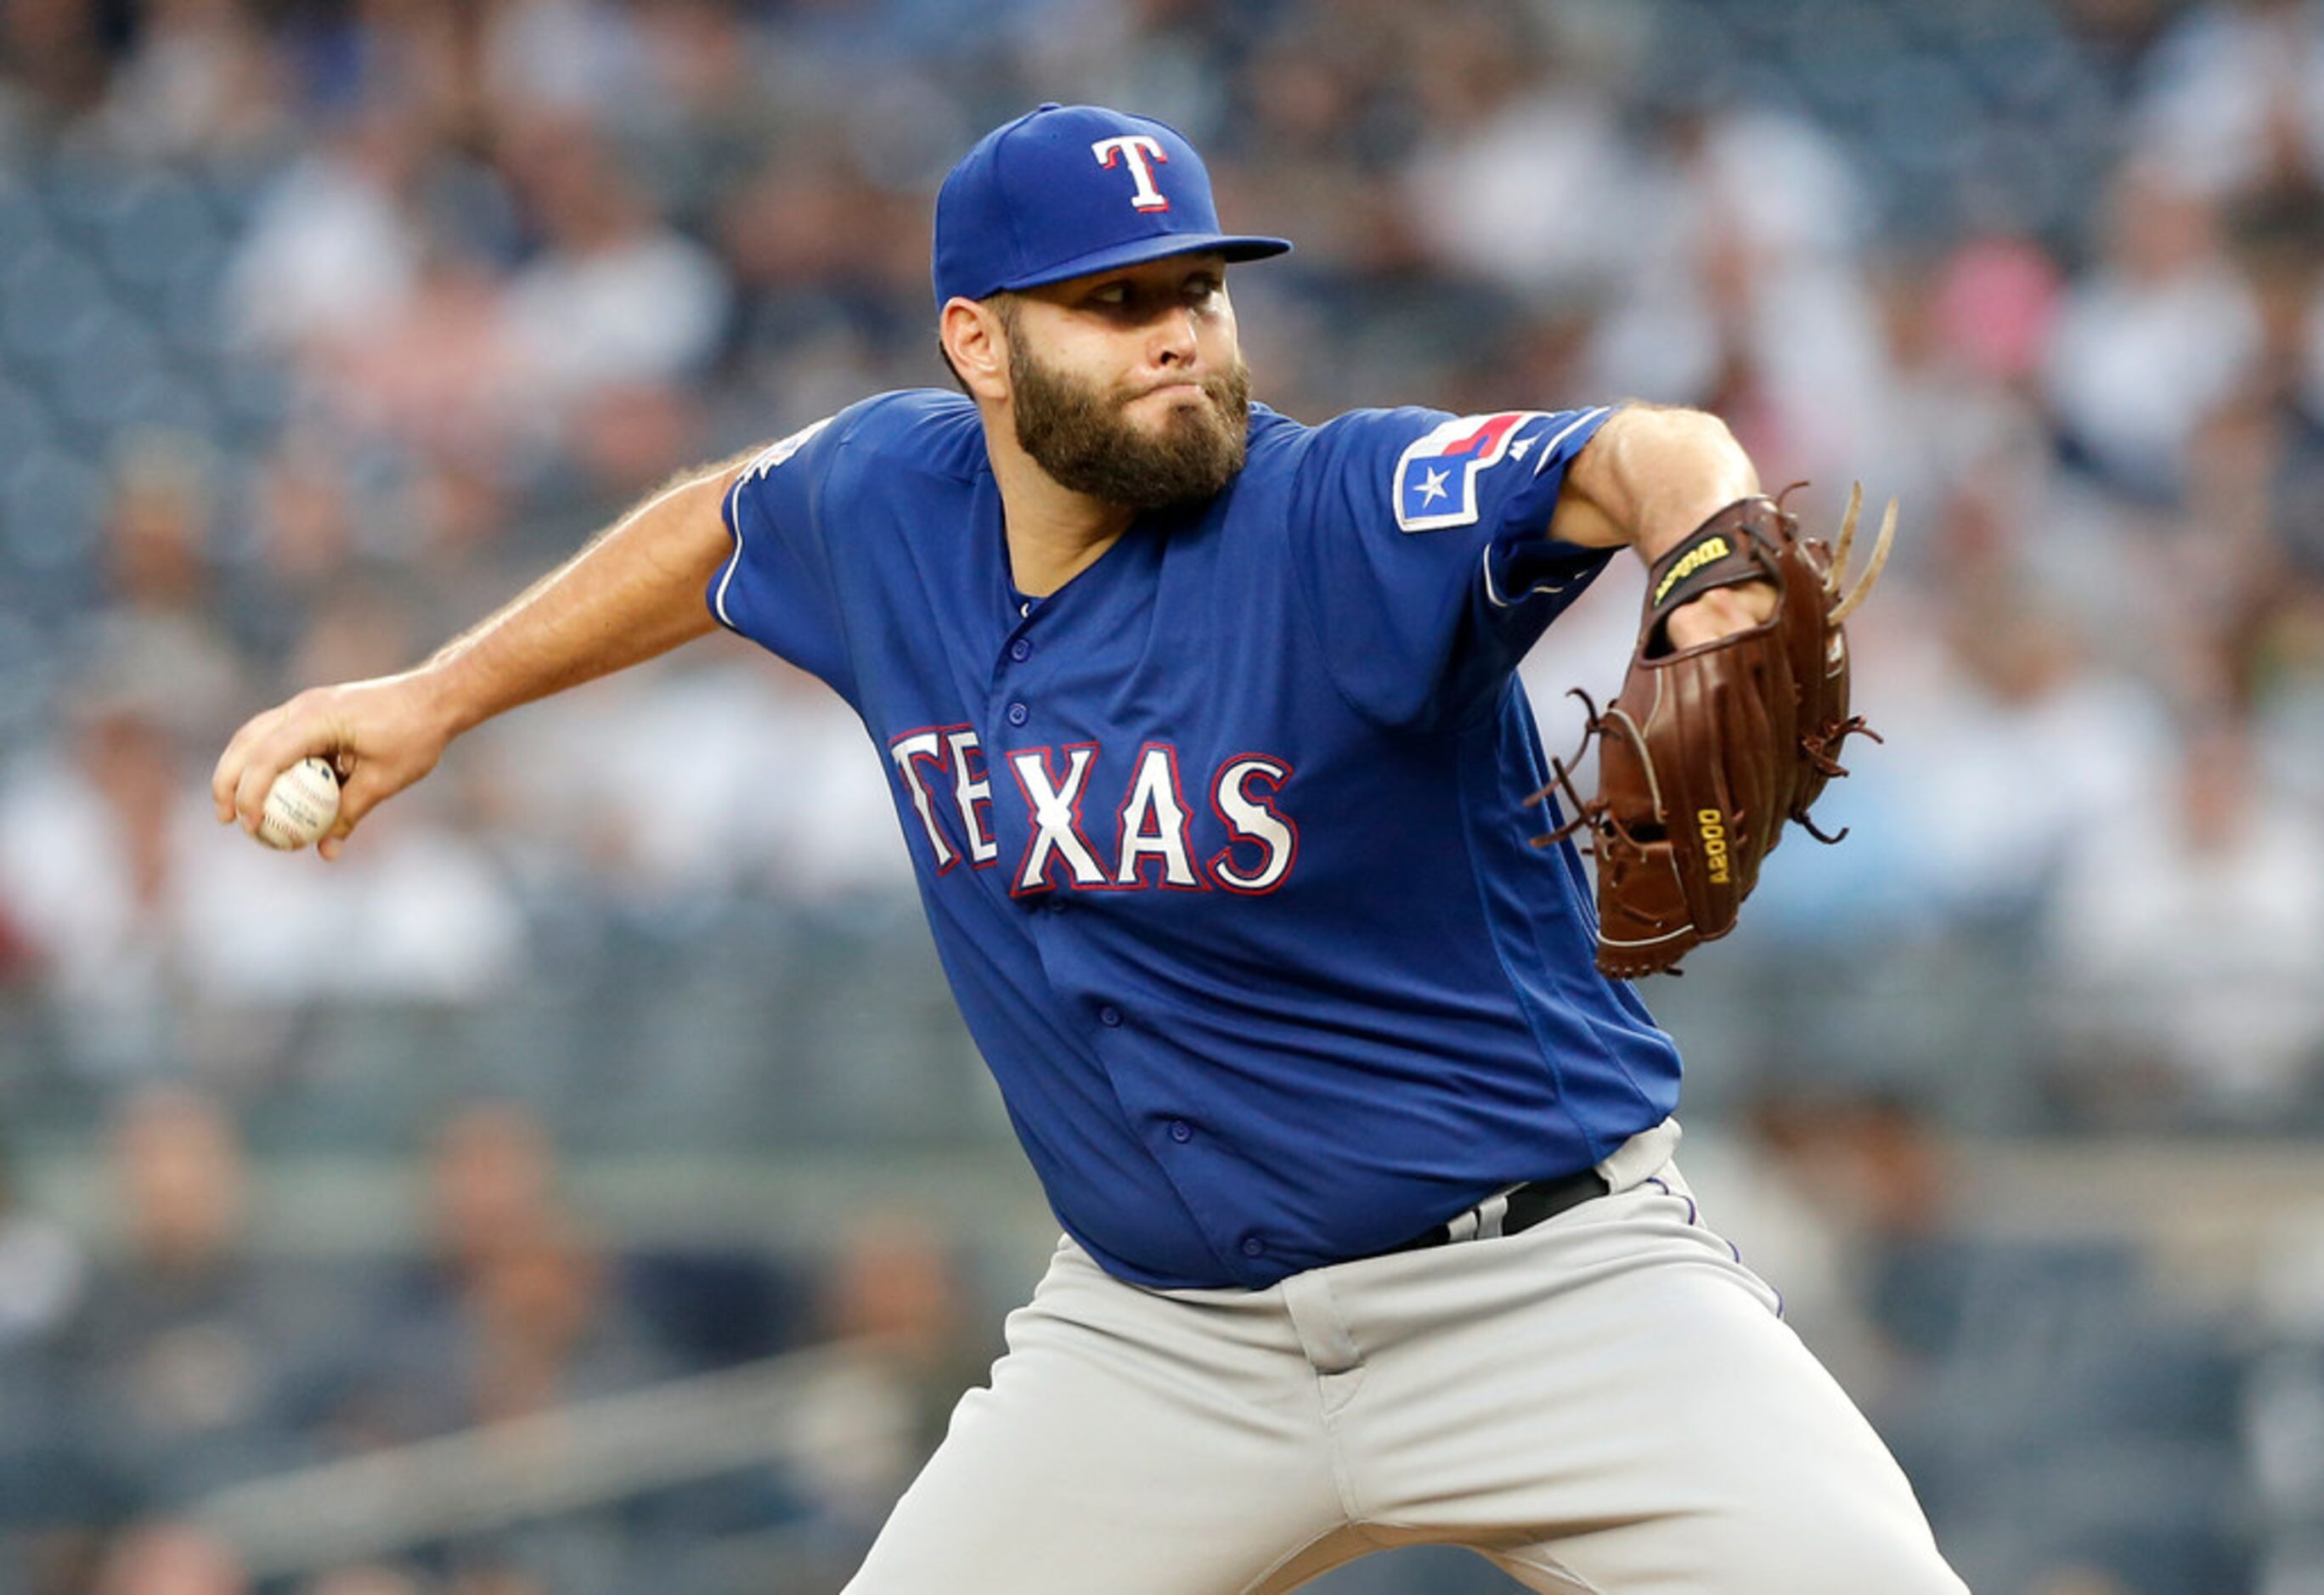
x=976, y=343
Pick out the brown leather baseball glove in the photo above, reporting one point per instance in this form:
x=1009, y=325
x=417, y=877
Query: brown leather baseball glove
x=1709, y=749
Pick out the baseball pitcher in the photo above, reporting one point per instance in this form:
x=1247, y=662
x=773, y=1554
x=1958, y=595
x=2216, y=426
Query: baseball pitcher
x=1227, y=807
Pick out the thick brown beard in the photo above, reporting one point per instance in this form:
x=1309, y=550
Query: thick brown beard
x=1077, y=433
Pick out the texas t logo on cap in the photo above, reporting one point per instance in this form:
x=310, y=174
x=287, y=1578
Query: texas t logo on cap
x=1070, y=190
x=1135, y=149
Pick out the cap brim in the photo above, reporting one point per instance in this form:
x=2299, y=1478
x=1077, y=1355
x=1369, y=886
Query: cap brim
x=1235, y=247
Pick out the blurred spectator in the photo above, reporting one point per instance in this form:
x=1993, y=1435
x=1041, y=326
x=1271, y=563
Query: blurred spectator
x=511, y=1314
x=199, y=81
x=492, y=1184
x=1329, y=98
x=1481, y=193
x=17, y=959
x=334, y=246
x=2284, y=1401
x=305, y=526
x=2151, y=341
x=1742, y=292
x=169, y=1558
x=700, y=121
x=709, y=777
x=1836, y=1180
x=893, y=1286
x=613, y=296
x=2014, y=1368
x=567, y=56
x=432, y=369
x=628, y=437
x=415, y=913
x=2235, y=96
x=2011, y=750
x=716, y=1306
x=893, y=1282
x=2182, y=938
x=42, y=1276
x=158, y=527
x=2273, y=489
x=45, y=1500
x=1963, y=335
x=56, y=61
x=159, y=629
x=2231, y=633
x=545, y=1330
x=93, y=840
x=191, y=1353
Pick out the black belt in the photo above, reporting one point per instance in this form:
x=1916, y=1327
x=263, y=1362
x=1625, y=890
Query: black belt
x=1528, y=1205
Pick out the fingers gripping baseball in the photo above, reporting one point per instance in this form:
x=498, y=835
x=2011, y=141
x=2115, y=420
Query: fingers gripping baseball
x=376, y=735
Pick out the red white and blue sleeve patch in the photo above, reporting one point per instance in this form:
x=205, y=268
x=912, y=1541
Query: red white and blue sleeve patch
x=1437, y=476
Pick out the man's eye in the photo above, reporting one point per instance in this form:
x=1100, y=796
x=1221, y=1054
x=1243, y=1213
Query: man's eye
x=1114, y=294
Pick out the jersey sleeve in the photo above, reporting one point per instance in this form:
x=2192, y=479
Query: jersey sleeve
x=1422, y=550
x=778, y=587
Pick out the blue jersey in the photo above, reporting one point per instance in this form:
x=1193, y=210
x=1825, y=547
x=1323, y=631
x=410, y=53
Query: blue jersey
x=1223, y=843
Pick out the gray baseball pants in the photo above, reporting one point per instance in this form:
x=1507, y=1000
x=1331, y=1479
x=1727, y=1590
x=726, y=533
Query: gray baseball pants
x=1605, y=1404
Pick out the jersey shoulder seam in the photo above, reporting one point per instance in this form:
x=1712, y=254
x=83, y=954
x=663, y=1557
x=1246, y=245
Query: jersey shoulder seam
x=924, y=410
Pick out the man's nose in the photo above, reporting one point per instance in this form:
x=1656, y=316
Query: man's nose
x=1174, y=337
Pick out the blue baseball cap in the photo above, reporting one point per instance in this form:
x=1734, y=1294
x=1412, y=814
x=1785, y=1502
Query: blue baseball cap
x=1068, y=189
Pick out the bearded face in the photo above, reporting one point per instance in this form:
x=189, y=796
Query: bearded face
x=1077, y=431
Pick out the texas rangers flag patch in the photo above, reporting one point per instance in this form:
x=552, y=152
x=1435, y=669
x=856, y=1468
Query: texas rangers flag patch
x=1436, y=476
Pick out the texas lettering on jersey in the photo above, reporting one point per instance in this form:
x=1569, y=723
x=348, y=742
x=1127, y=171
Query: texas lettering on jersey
x=1149, y=842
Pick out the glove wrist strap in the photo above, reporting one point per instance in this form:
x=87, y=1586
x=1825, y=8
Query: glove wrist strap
x=1736, y=545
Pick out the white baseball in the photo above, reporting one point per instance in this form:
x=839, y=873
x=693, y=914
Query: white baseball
x=300, y=805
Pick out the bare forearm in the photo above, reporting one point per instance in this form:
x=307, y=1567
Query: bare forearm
x=633, y=594
x=1649, y=477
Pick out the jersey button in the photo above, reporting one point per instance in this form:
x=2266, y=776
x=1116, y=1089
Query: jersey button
x=1181, y=1132
x=1253, y=1246
x=1020, y=651
x=1056, y=905
x=1019, y=714
x=1110, y=1017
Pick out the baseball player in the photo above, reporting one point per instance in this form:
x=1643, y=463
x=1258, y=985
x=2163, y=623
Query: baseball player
x=1205, y=739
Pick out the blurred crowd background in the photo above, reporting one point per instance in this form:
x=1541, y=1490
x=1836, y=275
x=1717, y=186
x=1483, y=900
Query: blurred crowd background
x=585, y=1186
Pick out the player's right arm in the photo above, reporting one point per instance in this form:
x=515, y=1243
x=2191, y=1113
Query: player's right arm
x=634, y=592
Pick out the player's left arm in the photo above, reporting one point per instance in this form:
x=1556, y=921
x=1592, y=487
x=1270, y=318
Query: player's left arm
x=1650, y=476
